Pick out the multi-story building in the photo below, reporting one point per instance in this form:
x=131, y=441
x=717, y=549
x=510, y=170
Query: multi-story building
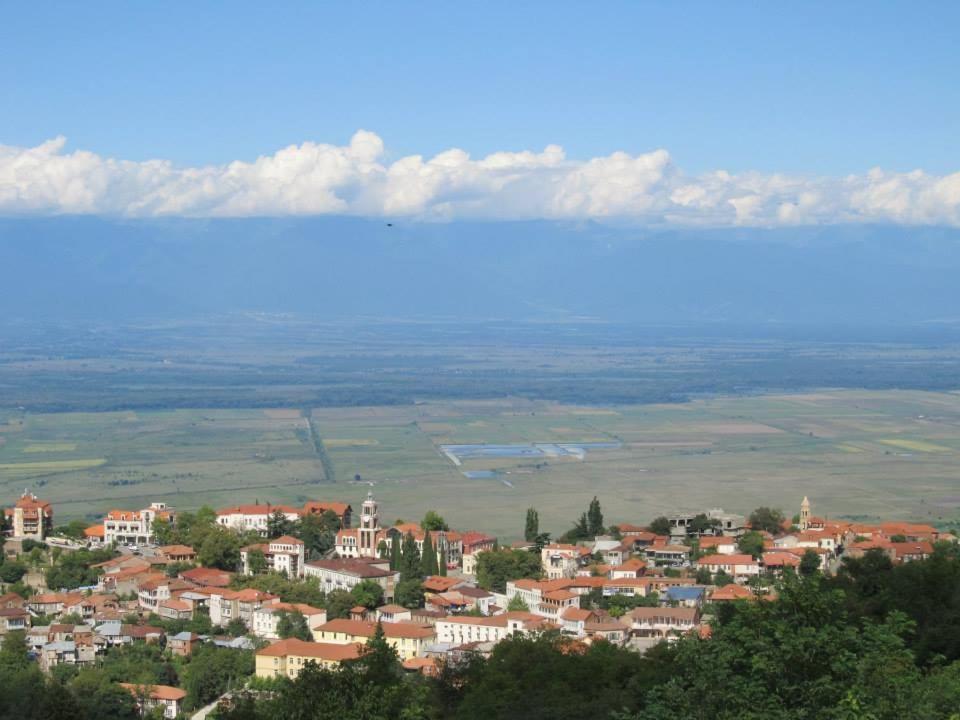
x=340, y=574
x=739, y=567
x=562, y=561
x=724, y=523
x=285, y=554
x=134, y=526
x=243, y=518
x=464, y=629
x=668, y=555
x=288, y=657
x=30, y=518
x=150, y=697
x=229, y=605
x=547, y=599
x=409, y=639
x=342, y=510
x=266, y=618
x=661, y=622
x=473, y=543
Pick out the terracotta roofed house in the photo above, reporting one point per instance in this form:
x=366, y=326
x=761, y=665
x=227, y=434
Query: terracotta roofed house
x=288, y=657
x=134, y=526
x=343, y=511
x=153, y=696
x=407, y=638
x=254, y=517
x=30, y=518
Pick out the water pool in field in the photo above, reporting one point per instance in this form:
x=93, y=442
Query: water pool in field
x=459, y=453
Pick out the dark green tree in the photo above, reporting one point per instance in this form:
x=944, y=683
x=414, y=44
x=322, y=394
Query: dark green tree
x=379, y=662
x=293, y=625
x=213, y=670
x=278, y=524
x=410, y=559
x=751, y=543
x=428, y=560
x=409, y=593
x=367, y=593
x=809, y=562
x=318, y=532
x=256, y=562
x=769, y=519
x=395, y=550
x=531, y=526
x=660, y=525
x=701, y=524
x=594, y=518
x=495, y=568
x=220, y=549
x=432, y=522
x=338, y=604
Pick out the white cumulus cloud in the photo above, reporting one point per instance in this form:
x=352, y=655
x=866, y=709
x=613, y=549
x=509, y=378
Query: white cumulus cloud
x=356, y=179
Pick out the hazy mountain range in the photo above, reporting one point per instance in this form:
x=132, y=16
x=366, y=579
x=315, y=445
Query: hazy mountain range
x=336, y=267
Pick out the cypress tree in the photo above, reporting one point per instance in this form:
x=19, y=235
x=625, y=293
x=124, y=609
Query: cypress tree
x=409, y=564
x=594, y=518
x=395, y=552
x=532, y=526
x=428, y=560
x=443, y=563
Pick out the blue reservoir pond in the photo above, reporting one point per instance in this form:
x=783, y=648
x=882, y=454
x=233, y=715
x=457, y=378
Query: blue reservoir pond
x=532, y=451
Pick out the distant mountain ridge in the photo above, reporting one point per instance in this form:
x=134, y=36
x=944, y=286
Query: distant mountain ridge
x=336, y=267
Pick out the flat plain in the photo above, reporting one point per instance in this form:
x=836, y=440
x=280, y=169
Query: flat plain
x=855, y=453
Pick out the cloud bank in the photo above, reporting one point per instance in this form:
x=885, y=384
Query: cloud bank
x=315, y=179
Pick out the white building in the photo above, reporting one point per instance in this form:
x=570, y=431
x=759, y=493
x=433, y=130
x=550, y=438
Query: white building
x=345, y=574
x=228, y=605
x=134, y=526
x=562, y=561
x=545, y=599
x=463, y=629
x=254, y=517
x=661, y=621
x=739, y=567
x=30, y=518
x=284, y=554
x=266, y=618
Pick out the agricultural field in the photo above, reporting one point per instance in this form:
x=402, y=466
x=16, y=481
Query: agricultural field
x=859, y=454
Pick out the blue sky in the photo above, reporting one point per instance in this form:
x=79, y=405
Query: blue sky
x=815, y=88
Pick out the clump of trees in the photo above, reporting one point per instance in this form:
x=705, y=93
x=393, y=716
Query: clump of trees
x=660, y=525
x=767, y=519
x=496, y=567
x=588, y=525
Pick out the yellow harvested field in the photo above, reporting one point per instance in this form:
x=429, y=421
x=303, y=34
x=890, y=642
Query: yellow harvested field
x=916, y=445
x=51, y=466
x=349, y=442
x=849, y=448
x=53, y=447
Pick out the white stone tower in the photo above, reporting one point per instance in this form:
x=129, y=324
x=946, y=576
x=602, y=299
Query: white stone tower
x=369, y=527
x=804, y=514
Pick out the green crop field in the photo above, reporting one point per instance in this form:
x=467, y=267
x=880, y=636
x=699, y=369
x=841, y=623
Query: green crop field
x=854, y=453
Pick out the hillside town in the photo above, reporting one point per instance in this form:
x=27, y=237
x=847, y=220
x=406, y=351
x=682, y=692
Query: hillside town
x=313, y=584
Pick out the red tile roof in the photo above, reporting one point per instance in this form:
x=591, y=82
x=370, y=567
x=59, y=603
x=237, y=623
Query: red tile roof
x=156, y=692
x=333, y=652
